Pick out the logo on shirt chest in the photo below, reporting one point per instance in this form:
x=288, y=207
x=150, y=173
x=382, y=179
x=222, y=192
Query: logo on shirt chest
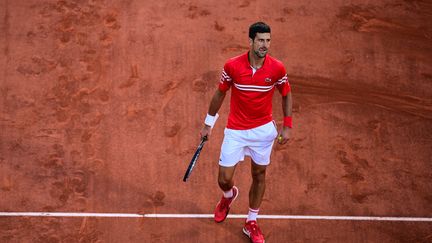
x=267, y=80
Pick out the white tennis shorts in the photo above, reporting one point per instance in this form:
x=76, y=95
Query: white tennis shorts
x=256, y=143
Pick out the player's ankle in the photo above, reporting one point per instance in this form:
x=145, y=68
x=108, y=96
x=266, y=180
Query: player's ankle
x=252, y=214
x=228, y=194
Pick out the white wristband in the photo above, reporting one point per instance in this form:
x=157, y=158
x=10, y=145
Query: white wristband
x=211, y=120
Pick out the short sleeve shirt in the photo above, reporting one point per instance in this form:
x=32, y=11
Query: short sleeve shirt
x=252, y=93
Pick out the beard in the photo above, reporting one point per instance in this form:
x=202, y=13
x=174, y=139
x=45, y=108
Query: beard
x=261, y=53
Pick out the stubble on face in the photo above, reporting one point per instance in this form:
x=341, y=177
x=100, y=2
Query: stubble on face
x=261, y=52
x=260, y=44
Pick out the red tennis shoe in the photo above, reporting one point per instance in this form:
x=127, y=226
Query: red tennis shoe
x=223, y=206
x=254, y=233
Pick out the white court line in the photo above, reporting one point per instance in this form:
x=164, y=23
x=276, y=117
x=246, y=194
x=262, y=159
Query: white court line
x=236, y=216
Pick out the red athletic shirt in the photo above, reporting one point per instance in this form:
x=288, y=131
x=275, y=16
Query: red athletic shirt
x=251, y=95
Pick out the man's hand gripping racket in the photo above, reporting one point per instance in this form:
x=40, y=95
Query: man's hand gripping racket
x=205, y=132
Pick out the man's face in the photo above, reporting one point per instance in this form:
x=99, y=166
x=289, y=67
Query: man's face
x=260, y=44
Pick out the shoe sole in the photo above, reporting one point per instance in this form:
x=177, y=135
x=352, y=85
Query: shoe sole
x=248, y=234
x=235, y=197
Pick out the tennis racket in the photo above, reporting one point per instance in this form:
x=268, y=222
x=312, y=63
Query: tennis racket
x=194, y=158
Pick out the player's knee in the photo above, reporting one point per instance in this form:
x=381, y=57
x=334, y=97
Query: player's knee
x=258, y=175
x=224, y=180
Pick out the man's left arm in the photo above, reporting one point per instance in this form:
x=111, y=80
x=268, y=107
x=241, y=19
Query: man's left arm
x=285, y=133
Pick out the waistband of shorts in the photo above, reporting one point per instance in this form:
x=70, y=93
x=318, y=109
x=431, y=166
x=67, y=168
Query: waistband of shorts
x=265, y=124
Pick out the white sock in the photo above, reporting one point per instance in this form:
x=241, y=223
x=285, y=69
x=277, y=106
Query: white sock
x=228, y=194
x=252, y=215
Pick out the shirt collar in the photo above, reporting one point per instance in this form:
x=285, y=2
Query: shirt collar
x=248, y=63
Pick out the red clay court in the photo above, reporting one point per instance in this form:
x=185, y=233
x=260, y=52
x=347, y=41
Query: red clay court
x=102, y=102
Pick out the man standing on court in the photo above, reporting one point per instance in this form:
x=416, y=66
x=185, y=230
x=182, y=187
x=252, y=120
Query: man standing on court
x=250, y=131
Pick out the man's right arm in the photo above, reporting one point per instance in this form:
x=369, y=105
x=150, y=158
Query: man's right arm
x=215, y=105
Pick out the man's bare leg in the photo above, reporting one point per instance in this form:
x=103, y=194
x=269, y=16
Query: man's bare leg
x=225, y=177
x=230, y=192
x=257, y=188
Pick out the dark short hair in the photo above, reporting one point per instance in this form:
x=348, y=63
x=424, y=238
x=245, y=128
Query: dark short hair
x=258, y=27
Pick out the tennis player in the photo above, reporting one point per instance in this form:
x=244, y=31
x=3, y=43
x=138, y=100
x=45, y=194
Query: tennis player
x=250, y=131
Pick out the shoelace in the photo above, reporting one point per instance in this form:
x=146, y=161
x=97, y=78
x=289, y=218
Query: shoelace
x=225, y=202
x=254, y=229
